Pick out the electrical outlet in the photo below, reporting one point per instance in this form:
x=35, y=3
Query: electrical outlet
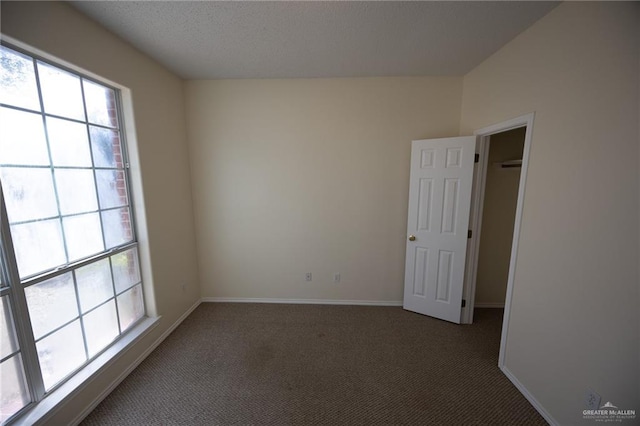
x=336, y=277
x=307, y=276
x=592, y=400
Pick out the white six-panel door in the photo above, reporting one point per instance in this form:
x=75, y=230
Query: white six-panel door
x=439, y=203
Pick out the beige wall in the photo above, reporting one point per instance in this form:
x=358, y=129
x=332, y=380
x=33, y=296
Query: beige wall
x=498, y=218
x=168, y=238
x=574, y=322
x=295, y=176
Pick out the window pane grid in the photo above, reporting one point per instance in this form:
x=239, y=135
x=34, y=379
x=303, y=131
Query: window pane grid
x=132, y=308
x=128, y=288
x=19, y=108
x=75, y=236
x=20, y=89
x=46, y=135
x=115, y=294
x=95, y=188
x=61, y=381
x=121, y=330
x=124, y=211
x=58, y=328
x=25, y=166
x=124, y=321
x=66, y=268
x=9, y=356
x=16, y=391
x=82, y=328
x=22, y=222
x=109, y=187
x=9, y=345
x=22, y=375
x=88, y=311
x=60, y=117
x=101, y=304
x=15, y=396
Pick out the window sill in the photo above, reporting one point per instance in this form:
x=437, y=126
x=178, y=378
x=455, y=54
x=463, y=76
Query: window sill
x=41, y=411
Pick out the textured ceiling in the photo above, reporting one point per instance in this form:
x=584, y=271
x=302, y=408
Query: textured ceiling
x=202, y=40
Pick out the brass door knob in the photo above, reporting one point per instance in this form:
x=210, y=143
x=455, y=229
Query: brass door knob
x=412, y=238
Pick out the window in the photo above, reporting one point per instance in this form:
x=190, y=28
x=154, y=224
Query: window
x=70, y=280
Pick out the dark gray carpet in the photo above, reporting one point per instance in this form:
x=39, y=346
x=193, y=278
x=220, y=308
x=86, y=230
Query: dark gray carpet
x=269, y=364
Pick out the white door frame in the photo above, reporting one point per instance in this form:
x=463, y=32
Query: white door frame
x=482, y=147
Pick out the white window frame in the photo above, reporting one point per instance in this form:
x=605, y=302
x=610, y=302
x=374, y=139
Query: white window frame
x=43, y=404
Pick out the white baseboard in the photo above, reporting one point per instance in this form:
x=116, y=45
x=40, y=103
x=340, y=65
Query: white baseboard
x=84, y=413
x=525, y=392
x=489, y=305
x=303, y=301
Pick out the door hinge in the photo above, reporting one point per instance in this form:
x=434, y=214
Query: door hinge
x=464, y=303
x=469, y=233
x=476, y=159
